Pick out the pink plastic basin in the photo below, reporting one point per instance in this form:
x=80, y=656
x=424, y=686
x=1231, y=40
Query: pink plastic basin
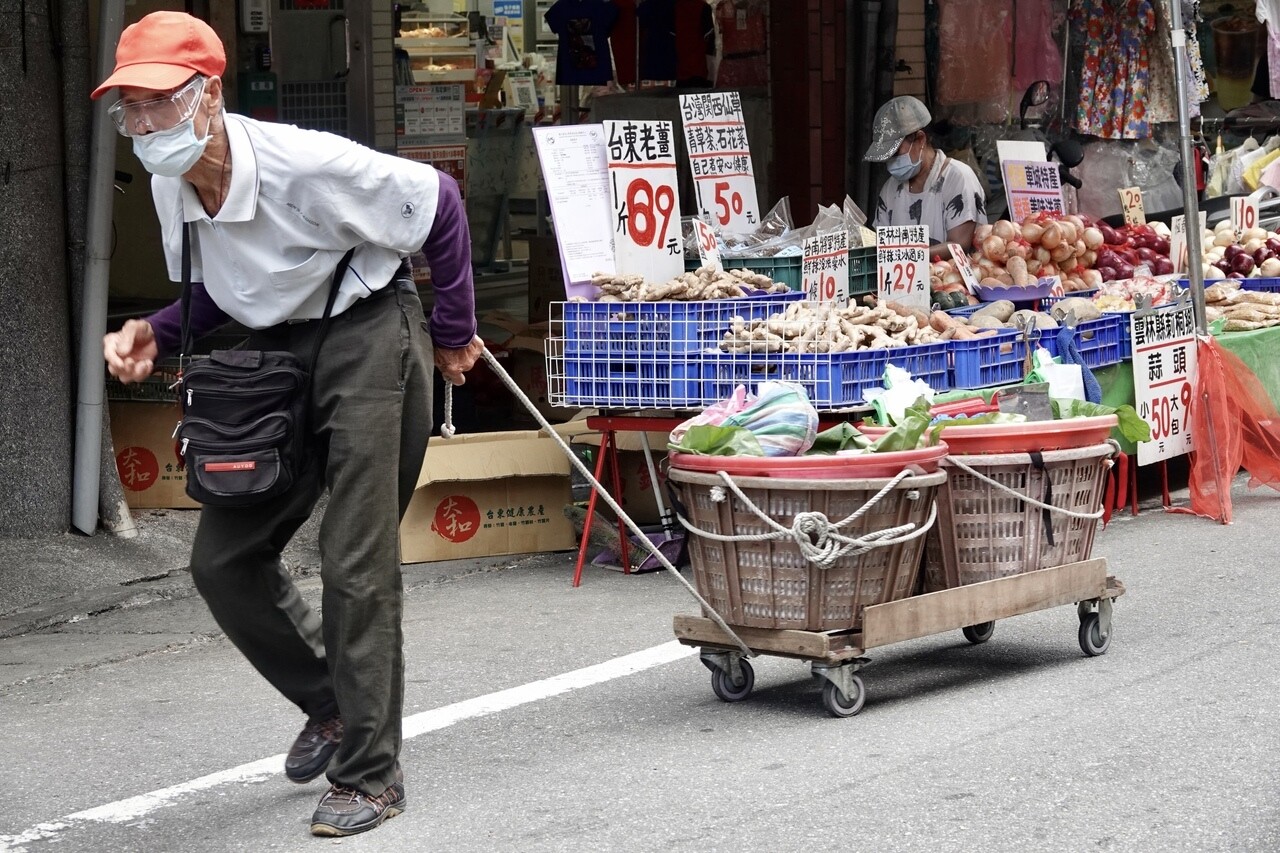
x=866, y=466
x=1020, y=438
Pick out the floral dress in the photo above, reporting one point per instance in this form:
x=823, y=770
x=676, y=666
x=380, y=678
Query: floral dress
x=1116, y=76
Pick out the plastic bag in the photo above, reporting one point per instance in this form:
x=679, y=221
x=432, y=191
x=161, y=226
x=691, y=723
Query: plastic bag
x=707, y=440
x=782, y=418
x=714, y=415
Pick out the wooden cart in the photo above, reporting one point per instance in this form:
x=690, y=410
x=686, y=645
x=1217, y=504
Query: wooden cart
x=836, y=656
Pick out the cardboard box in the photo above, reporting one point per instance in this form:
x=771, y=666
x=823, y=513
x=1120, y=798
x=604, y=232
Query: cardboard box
x=142, y=437
x=546, y=279
x=488, y=494
x=638, y=499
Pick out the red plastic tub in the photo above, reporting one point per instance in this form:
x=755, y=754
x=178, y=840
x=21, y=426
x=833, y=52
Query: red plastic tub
x=867, y=465
x=1020, y=438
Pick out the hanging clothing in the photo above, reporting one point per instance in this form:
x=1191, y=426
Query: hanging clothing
x=1035, y=54
x=744, y=44
x=1116, y=76
x=622, y=39
x=1162, y=97
x=1252, y=177
x=1197, y=81
x=695, y=41
x=583, y=26
x=974, y=60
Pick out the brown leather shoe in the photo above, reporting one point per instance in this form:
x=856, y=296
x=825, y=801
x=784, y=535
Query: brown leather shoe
x=346, y=811
x=312, y=751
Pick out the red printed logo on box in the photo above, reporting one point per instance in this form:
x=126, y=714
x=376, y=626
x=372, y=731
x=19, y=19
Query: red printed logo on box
x=138, y=467
x=457, y=518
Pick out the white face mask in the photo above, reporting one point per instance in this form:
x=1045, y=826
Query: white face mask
x=170, y=153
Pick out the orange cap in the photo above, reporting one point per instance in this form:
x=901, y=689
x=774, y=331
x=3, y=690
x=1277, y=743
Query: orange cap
x=163, y=51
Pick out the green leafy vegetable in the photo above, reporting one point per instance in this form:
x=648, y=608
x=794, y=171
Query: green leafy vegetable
x=909, y=432
x=976, y=420
x=1132, y=427
x=838, y=438
x=708, y=440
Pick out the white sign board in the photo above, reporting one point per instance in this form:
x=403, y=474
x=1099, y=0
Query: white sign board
x=645, y=201
x=1131, y=204
x=1244, y=213
x=576, y=173
x=1178, y=240
x=433, y=115
x=720, y=158
x=522, y=90
x=826, y=267
x=708, y=246
x=902, y=264
x=964, y=266
x=1032, y=188
x=1164, y=379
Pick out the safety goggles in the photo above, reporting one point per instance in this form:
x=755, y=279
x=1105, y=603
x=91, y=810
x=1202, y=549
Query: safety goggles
x=138, y=118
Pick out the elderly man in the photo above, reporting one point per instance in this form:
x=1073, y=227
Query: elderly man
x=268, y=211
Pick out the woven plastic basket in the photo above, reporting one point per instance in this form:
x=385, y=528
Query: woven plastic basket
x=771, y=584
x=984, y=532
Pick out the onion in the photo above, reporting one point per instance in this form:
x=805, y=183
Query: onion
x=1018, y=249
x=1162, y=266
x=1089, y=259
x=1005, y=279
x=1224, y=238
x=1043, y=255
x=1069, y=265
x=1092, y=238
x=953, y=277
x=1092, y=279
x=1253, y=244
x=1062, y=252
x=1271, y=268
x=1033, y=266
x=993, y=247
x=1242, y=264
x=1077, y=221
x=1256, y=233
x=981, y=233
x=1005, y=230
x=1110, y=236
x=1052, y=236
x=1124, y=271
x=1047, y=270
x=1212, y=273
x=1031, y=231
x=1069, y=232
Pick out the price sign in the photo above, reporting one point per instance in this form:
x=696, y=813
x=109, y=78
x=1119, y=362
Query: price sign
x=708, y=246
x=1244, y=214
x=826, y=267
x=720, y=159
x=963, y=266
x=1178, y=240
x=1053, y=282
x=1131, y=204
x=1032, y=187
x=1164, y=378
x=902, y=264
x=646, y=204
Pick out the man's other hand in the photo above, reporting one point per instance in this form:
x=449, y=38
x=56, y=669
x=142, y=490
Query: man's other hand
x=131, y=352
x=453, y=363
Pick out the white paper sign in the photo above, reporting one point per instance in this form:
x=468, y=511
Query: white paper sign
x=522, y=90
x=1131, y=204
x=645, y=201
x=826, y=267
x=576, y=173
x=1178, y=240
x=964, y=266
x=902, y=264
x=708, y=246
x=1244, y=213
x=1164, y=379
x=720, y=158
x=433, y=115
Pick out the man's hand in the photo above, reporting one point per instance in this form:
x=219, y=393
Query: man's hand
x=131, y=352
x=452, y=363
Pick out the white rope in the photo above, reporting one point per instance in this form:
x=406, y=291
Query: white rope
x=446, y=428
x=1020, y=496
x=820, y=541
x=644, y=542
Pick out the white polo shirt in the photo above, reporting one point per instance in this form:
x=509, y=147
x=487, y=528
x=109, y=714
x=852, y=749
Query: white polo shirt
x=298, y=200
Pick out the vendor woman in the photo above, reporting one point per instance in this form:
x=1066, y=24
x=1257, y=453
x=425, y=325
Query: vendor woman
x=925, y=186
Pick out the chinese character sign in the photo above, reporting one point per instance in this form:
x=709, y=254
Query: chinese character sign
x=1032, y=188
x=902, y=264
x=720, y=158
x=708, y=245
x=432, y=114
x=1164, y=375
x=646, y=204
x=826, y=267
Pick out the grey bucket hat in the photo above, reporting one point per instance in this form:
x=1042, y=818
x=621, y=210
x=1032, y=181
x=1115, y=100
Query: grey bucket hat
x=895, y=121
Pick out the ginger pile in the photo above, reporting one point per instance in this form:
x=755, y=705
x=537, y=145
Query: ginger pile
x=807, y=327
x=701, y=284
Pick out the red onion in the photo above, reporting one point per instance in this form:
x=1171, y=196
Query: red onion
x=1242, y=263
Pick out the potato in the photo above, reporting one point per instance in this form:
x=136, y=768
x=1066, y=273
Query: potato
x=985, y=321
x=1084, y=309
x=1002, y=310
x=1041, y=320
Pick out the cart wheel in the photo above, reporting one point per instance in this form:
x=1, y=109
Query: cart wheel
x=1092, y=642
x=722, y=685
x=837, y=705
x=980, y=633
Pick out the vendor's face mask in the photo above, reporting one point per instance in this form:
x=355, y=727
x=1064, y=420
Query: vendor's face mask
x=903, y=167
x=170, y=153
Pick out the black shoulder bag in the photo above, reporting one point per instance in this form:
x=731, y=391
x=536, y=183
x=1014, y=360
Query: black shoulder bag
x=243, y=435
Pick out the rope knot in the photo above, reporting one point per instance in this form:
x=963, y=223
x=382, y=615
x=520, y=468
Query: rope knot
x=718, y=494
x=812, y=532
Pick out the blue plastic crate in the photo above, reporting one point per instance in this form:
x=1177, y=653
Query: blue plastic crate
x=1099, y=341
x=981, y=363
x=1261, y=285
x=967, y=310
x=627, y=330
x=832, y=380
x=1050, y=301
x=637, y=384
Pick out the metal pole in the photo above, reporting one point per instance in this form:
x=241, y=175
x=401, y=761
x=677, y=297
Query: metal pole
x=91, y=382
x=1195, y=269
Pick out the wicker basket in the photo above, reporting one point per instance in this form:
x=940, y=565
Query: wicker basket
x=984, y=533
x=771, y=584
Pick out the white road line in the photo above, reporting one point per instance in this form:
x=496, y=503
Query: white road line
x=132, y=808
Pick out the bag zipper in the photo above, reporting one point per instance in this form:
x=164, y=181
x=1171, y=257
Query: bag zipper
x=222, y=372
x=233, y=446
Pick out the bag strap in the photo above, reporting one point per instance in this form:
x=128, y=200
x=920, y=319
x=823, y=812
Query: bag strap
x=339, y=273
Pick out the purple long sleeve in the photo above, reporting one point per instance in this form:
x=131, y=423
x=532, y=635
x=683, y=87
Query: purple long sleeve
x=448, y=253
x=167, y=322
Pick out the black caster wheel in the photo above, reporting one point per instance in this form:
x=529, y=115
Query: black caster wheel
x=1092, y=642
x=980, y=633
x=837, y=705
x=722, y=685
